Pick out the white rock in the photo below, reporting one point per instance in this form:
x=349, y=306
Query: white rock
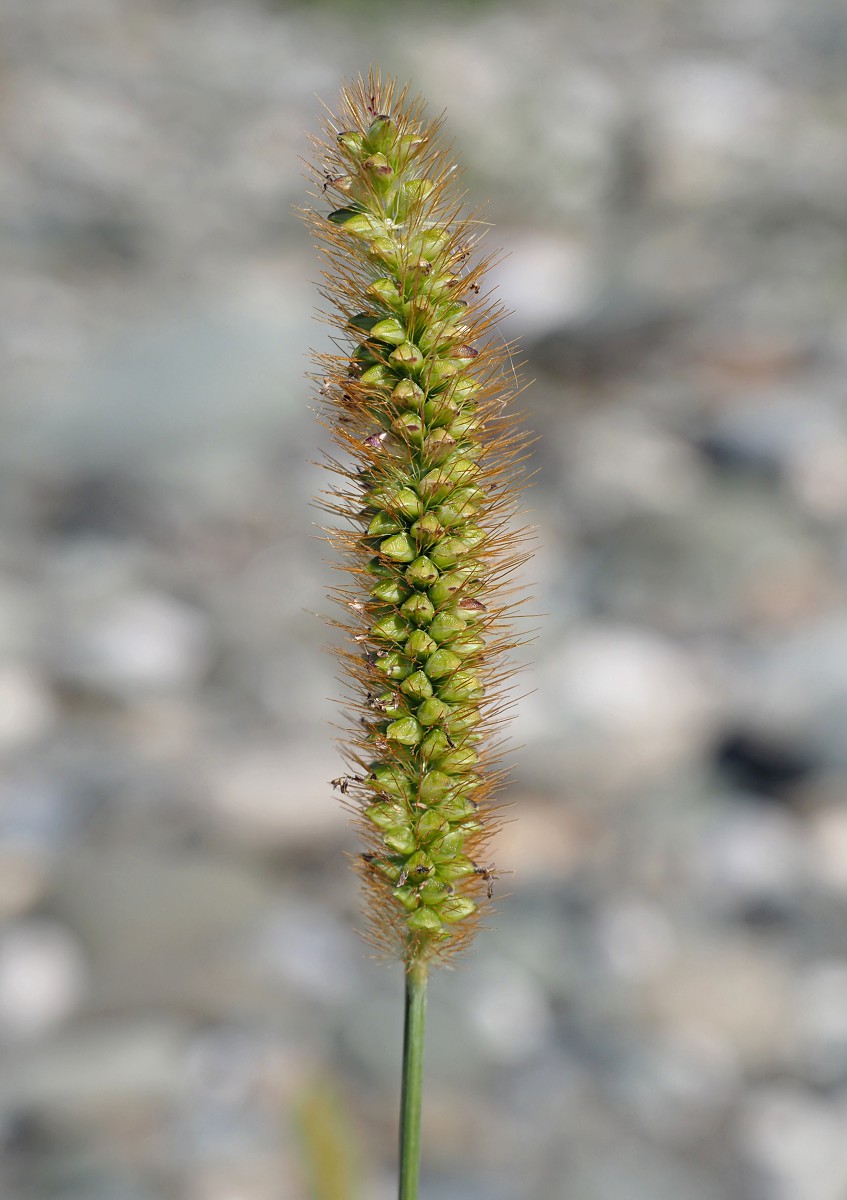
x=636, y=937
x=687, y=1079
x=546, y=278
x=695, y=106
x=26, y=706
x=828, y=847
x=141, y=641
x=625, y=701
x=798, y=1140
x=275, y=794
x=818, y=476
x=752, y=855
x=302, y=945
x=265, y=1181
x=619, y=464
x=511, y=1016
x=42, y=978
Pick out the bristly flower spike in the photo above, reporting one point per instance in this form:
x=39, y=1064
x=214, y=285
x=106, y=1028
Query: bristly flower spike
x=423, y=503
x=417, y=400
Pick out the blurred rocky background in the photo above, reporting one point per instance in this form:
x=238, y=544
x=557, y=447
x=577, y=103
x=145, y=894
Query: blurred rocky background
x=660, y=1007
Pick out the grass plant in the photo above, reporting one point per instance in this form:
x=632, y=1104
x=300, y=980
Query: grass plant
x=417, y=394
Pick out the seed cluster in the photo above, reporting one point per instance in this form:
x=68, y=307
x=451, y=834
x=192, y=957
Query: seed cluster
x=416, y=400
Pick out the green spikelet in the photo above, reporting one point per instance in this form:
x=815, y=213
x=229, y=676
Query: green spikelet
x=425, y=491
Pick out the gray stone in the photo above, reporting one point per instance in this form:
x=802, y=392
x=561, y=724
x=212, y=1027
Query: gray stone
x=118, y=1061
x=728, y=992
x=820, y=1018
x=158, y=927
x=751, y=856
x=624, y=703
x=136, y=643
x=274, y=795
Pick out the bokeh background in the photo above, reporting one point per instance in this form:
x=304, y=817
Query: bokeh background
x=660, y=1008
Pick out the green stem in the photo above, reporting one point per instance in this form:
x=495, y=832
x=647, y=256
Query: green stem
x=413, y=1051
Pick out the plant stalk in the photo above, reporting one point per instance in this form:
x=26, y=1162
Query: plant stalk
x=411, y=1099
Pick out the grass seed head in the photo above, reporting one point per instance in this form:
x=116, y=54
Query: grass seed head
x=417, y=398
